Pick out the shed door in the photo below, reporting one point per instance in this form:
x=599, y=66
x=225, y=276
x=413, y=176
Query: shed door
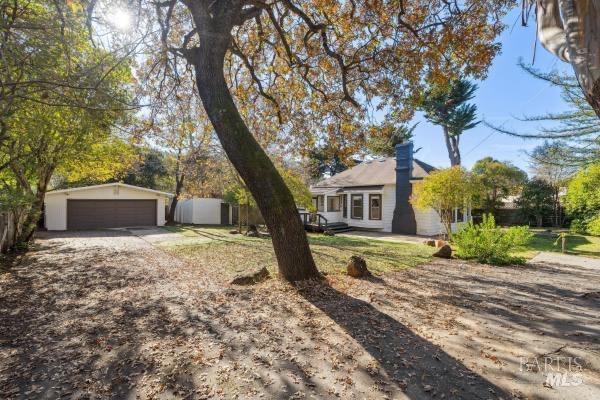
x=235, y=214
x=224, y=214
x=94, y=214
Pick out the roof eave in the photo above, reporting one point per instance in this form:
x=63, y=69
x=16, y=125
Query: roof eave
x=77, y=189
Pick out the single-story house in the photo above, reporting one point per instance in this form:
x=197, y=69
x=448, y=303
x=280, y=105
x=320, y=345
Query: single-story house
x=375, y=195
x=206, y=211
x=111, y=205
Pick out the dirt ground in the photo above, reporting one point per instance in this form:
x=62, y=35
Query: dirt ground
x=109, y=315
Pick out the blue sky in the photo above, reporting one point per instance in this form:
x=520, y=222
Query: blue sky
x=508, y=92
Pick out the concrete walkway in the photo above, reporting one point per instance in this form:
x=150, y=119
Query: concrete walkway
x=566, y=259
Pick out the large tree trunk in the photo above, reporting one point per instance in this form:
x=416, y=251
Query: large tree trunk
x=178, y=189
x=570, y=29
x=452, y=146
x=29, y=225
x=272, y=196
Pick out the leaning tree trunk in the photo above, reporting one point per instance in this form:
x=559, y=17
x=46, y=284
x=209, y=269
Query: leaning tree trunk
x=452, y=146
x=272, y=196
x=570, y=29
x=178, y=189
x=29, y=225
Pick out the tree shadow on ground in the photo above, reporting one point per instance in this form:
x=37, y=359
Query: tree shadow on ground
x=65, y=334
x=84, y=318
x=554, y=306
x=419, y=368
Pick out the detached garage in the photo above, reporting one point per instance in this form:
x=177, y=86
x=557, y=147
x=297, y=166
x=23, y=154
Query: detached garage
x=113, y=205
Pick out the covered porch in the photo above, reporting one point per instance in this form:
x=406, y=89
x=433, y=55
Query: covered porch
x=352, y=207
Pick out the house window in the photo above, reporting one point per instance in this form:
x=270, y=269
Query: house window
x=459, y=215
x=375, y=206
x=357, y=206
x=333, y=203
x=320, y=203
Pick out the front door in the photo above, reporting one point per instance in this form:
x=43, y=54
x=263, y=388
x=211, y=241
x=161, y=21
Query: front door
x=344, y=206
x=224, y=214
x=235, y=214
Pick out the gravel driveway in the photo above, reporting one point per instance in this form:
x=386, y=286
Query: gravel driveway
x=108, y=315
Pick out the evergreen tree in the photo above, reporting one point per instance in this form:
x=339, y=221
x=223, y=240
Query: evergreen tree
x=447, y=105
x=575, y=132
x=383, y=141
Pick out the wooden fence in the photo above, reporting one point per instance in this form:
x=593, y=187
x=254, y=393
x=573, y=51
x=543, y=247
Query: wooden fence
x=7, y=230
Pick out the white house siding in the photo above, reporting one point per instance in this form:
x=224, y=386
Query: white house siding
x=332, y=216
x=365, y=222
x=56, y=203
x=200, y=211
x=428, y=222
x=389, y=204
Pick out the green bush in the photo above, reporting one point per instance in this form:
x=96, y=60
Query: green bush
x=489, y=243
x=582, y=201
x=593, y=226
x=578, y=226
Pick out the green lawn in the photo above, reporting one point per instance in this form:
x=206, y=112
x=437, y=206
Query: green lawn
x=224, y=255
x=196, y=230
x=576, y=244
x=227, y=255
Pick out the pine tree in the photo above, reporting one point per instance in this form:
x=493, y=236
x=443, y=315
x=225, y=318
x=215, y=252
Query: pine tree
x=574, y=132
x=446, y=105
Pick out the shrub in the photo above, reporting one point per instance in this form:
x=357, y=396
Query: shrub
x=593, y=226
x=535, y=202
x=578, y=226
x=583, y=200
x=489, y=243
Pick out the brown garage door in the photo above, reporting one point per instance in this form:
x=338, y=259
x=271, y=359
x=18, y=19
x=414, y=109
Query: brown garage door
x=93, y=214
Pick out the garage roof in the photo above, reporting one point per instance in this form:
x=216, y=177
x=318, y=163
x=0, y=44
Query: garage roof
x=109, y=185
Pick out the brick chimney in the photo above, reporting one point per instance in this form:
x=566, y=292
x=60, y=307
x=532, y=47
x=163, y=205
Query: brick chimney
x=404, y=215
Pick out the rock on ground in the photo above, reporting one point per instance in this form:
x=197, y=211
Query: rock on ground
x=357, y=267
x=444, y=252
x=251, y=278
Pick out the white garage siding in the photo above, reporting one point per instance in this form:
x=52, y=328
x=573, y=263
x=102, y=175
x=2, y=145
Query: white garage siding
x=201, y=211
x=56, y=201
x=183, y=211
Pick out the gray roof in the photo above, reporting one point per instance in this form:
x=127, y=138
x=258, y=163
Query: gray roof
x=375, y=172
